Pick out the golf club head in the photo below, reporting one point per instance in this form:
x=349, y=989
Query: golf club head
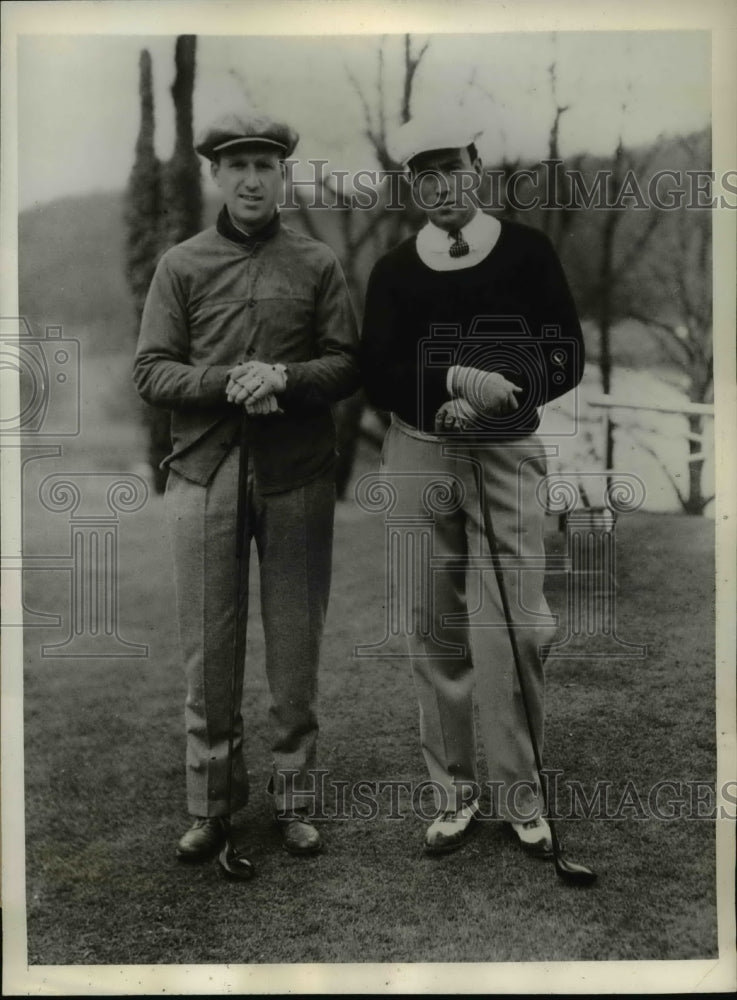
x=574, y=874
x=235, y=865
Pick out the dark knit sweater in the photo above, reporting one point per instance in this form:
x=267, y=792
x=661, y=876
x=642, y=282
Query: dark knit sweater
x=512, y=313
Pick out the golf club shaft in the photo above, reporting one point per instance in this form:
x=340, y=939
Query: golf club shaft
x=238, y=637
x=494, y=552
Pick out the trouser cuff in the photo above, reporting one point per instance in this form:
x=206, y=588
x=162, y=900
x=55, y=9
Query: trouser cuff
x=216, y=807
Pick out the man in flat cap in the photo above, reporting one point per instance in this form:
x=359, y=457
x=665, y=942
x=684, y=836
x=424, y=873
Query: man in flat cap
x=249, y=317
x=469, y=327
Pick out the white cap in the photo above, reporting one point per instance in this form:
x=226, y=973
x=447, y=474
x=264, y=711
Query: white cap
x=421, y=135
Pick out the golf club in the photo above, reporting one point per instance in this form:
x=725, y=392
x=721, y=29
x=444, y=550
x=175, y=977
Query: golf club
x=569, y=871
x=233, y=864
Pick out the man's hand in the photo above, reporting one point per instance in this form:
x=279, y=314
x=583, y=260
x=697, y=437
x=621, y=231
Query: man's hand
x=455, y=415
x=487, y=392
x=262, y=407
x=254, y=381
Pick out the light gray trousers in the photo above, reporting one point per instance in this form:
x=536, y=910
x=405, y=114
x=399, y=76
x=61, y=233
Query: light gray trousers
x=455, y=626
x=293, y=533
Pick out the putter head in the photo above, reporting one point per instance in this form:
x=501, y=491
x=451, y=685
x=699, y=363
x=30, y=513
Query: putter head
x=235, y=865
x=574, y=874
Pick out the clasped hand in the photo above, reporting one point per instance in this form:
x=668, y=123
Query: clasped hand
x=255, y=384
x=476, y=394
x=455, y=415
x=487, y=392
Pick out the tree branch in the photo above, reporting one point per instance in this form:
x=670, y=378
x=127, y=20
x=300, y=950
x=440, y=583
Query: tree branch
x=660, y=326
x=367, y=116
x=377, y=219
x=411, y=63
x=639, y=245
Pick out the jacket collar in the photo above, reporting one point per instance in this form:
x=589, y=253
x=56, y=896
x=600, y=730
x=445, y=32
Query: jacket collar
x=230, y=231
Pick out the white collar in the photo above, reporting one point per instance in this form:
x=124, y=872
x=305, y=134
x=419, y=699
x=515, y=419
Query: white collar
x=433, y=244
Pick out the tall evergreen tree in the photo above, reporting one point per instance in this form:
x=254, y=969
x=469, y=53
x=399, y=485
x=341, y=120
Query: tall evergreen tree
x=163, y=206
x=142, y=216
x=143, y=196
x=182, y=202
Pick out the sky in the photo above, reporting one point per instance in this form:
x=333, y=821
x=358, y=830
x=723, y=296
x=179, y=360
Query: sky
x=79, y=113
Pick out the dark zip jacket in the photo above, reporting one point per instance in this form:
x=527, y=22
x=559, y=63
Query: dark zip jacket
x=224, y=297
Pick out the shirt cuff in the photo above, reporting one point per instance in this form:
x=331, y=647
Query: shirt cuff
x=449, y=380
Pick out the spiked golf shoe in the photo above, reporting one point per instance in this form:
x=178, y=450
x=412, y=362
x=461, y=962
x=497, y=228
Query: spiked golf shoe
x=534, y=837
x=450, y=830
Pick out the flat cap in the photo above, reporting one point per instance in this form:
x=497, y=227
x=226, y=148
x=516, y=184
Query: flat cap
x=421, y=135
x=233, y=130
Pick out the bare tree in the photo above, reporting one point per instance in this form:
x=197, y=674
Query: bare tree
x=361, y=236
x=629, y=259
x=610, y=245
x=653, y=266
x=558, y=220
x=672, y=297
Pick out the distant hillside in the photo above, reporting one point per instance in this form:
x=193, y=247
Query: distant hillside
x=71, y=272
x=71, y=268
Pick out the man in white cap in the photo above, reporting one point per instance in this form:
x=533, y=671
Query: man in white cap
x=469, y=327
x=249, y=315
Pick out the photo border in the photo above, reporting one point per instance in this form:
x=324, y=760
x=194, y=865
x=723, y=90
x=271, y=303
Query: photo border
x=172, y=17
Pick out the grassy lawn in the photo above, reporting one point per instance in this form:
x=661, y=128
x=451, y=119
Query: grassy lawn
x=104, y=750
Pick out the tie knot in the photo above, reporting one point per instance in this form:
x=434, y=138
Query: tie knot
x=459, y=247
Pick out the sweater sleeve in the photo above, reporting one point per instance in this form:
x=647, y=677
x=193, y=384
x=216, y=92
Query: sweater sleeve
x=558, y=331
x=548, y=359
x=394, y=375
x=162, y=372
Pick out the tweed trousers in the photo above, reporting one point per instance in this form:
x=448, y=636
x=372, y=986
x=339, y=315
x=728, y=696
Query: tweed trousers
x=293, y=532
x=457, y=636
